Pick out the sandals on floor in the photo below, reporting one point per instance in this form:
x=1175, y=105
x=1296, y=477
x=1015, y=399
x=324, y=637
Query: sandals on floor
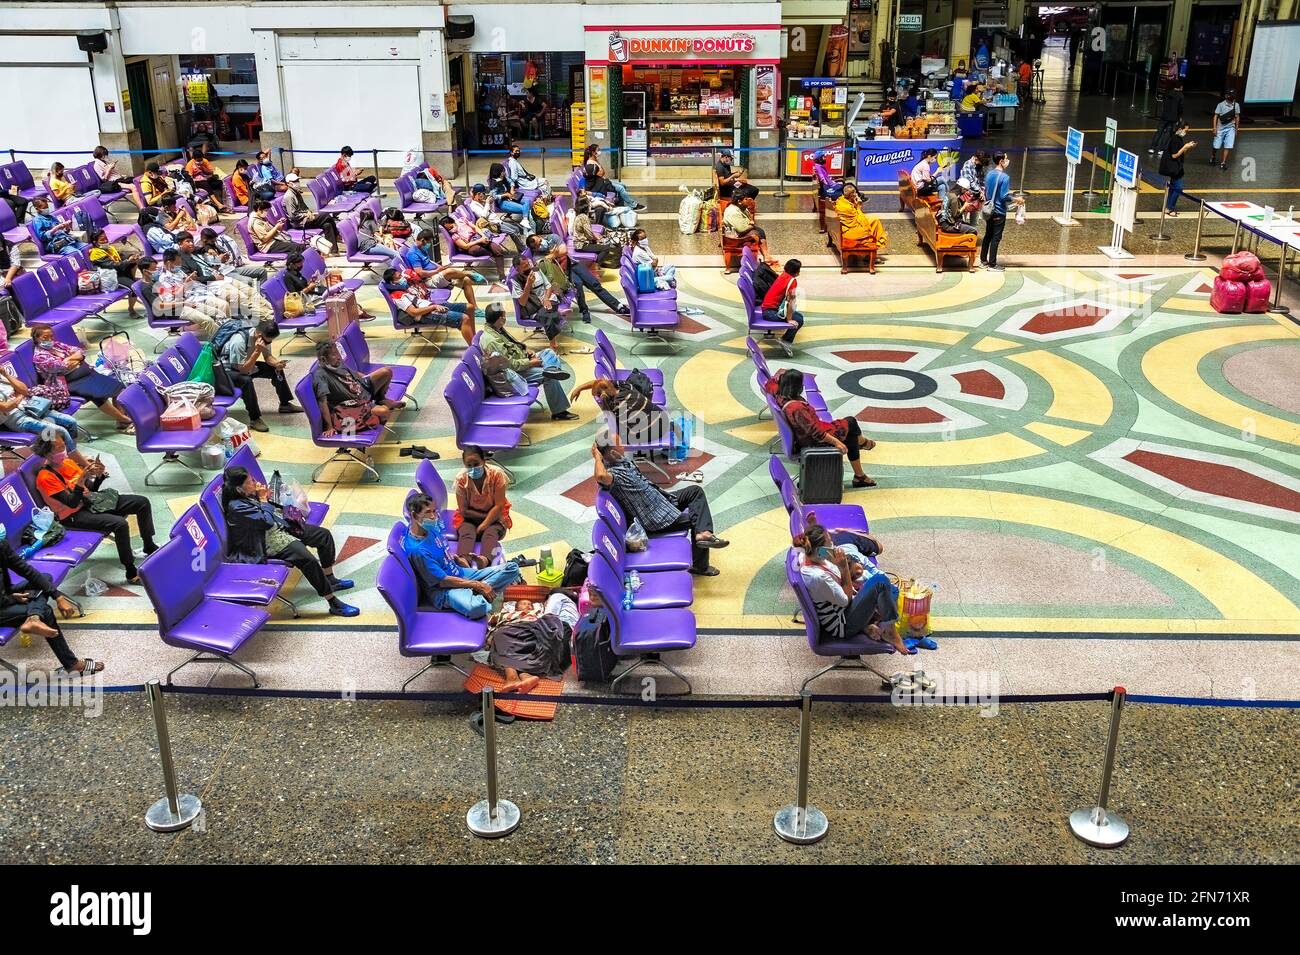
x=863, y=482
x=523, y=561
x=89, y=668
x=712, y=542
x=710, y=572
x=126, y=428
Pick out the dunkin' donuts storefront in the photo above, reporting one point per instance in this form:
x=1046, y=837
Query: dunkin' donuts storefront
x=674, y=94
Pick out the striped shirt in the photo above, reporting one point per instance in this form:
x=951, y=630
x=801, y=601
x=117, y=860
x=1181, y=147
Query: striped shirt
x=640, y=499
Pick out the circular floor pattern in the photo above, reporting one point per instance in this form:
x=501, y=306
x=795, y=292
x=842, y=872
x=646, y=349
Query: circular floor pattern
x=1268, y=374
x=890, y=384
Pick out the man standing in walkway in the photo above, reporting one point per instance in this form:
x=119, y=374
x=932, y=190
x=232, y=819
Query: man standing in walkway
x=1171, y=114
x=1226, y=116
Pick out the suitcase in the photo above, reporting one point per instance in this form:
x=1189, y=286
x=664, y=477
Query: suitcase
x=821, y=475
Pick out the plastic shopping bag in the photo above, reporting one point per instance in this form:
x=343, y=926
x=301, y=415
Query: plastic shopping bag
x=636, y=539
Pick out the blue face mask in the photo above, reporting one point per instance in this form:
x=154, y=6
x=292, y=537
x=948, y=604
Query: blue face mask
x=476, y=474
x=48, y=343
x=433, y=526
x=4, y=533
x=401, y=283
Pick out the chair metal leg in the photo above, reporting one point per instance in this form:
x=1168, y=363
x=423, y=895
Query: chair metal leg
x=293, y=607
x=214, y=657
x=652, y=659
x=656, y=339
x=650, y=460
x=408, y=340
x=843, y=663
x=171, y=457
x=434, y=663
x=299, y=335
x=10, y=667
x=345, y=456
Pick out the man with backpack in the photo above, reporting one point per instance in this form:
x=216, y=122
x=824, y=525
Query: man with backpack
x=246, y=353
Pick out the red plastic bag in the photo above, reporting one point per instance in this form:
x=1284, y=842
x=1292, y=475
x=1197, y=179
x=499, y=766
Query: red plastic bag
x=1258, y=293
x=1228, y=297
x=1241, y=267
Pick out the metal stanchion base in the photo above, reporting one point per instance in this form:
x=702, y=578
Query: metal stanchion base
x=1160, y=237
x=1279, y=310
x=159, y=818
x=482, y=823
x=1062, y=220
x=1099, y=828
x=1089, y=194
x=1192, y=257
x=803, y=827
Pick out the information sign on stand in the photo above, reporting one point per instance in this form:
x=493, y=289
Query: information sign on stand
x=1073, y=156
x=1123, y=206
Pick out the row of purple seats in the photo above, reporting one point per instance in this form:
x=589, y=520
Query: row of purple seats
x=464, y=260
x=753, y=311
x=605, y=349
x=274, y=291
x=10, y=230
x=275, y=214
x=232, y=201
x=189, y=616
x=412, y=331
x=50, y=294
x=659, y=620
x=16, y=174
x=144, y=403
x=331, y=198
x=271, y=259
x=405, y=185
x=493, y=426
x=533, y=326
x=762, y=372
x=473, y=359
x=355, y=352
x=846, y=517
x=650, y=312
x=98, y=216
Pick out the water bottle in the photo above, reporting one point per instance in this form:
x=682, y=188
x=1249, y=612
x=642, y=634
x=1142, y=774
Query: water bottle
x=635, y=580
x=627, y=593
x=545, y=559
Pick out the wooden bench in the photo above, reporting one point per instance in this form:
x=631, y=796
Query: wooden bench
x=907, y=197
x=835, y=239
x=943, y=243
x=731, y=251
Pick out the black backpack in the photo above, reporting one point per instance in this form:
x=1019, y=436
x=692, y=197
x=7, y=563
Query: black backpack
x=575, y=569
x=591, y=648
x=762, y=278
x=639, y=380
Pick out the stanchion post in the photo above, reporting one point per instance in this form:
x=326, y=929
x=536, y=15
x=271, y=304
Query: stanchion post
x=781, y=157
x=1096, y=826
x=175, y=811
x=491, y=818
x=467, y=186
x=379, y=185
x=1092, y=173
x=1024, y=167
x=542, y=149
x=1196, y=255
x=1160, y=229
x=801, y=823
x=1277, y=305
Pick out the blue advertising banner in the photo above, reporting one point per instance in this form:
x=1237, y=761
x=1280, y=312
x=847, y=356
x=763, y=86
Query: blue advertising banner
x=1074, y=145
x=1126, y=169
x=879, y=159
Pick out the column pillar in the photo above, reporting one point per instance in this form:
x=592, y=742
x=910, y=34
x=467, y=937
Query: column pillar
x=116, y=124
x=270, y=92
x=435, y=123
x=963, y=17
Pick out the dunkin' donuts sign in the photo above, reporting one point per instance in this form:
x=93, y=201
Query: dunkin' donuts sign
x=625, y=48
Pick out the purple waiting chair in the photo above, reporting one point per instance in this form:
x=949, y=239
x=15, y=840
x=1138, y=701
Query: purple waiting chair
x=348, y=448
x=151, y=439
x=665, y=551
x=849, y=517
x=435, y=634
x=253, y=585
x=187, y=617
x=644, y=634
x=660, y=590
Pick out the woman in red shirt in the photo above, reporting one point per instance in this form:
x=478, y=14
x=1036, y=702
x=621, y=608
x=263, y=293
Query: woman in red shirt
x=811, y=431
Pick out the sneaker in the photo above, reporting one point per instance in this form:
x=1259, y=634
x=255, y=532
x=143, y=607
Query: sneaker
x=996, y=268
x=1223, y=165
x=785, y=347
x=290, y=408
x=586, y=317
x=341, y=583
x=564, y=416
x=257, y=424
x=640, y=207
x=623, y=310
x=340, y=609
x=555, y=374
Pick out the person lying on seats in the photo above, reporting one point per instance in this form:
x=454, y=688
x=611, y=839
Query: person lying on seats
x=857, y=228
x=447, y=582
x=258, y=529
x=628, y=409
x=850, y=594
x=810, y=431
x=657, y=510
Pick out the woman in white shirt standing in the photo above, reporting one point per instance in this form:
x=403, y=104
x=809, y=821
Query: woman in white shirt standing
x=850, y=594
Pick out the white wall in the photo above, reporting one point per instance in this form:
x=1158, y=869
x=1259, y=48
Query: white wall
x=373, y=104
x=61, y=118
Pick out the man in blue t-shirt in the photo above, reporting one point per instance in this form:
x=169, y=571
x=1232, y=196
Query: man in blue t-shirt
x=998, y=200
x=422, y=258
x=445, y=582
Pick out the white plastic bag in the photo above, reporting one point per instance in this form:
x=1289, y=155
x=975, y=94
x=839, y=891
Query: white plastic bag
x=425, y=195
x=108, y=280
x=1020, y=213
x=233, y=435
x=688, y=213
x=636, y=538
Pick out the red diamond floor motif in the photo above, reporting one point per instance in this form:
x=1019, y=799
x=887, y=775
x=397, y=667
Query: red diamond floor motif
x=1065, y=319
x=1222, y=480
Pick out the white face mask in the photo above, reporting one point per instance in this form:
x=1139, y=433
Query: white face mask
x=644, y=243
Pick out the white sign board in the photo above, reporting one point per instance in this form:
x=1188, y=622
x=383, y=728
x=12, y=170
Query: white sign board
x=1274, y=63
x=1126, y=169
x=1074, y=145
x=1112, y=131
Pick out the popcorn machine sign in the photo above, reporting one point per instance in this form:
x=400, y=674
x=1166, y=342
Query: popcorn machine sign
x=622, y=48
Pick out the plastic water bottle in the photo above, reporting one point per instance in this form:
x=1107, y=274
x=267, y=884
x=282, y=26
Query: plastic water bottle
x=627, y=593
x=635, y=580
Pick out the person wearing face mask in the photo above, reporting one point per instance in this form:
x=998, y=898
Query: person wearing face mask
x=482, y=510
x=29, y=609
x=538, y=301
x=469, y=239
x=55, y=233
x=415, y=307
x=371, y=239
x=997, y=190
x=520, y=177
x=247, y=355
x=16, y=415
x=537, y=368
x=448, y=582
x=595, y=179
x=642, y=254
x=349, y=401
x=851, y=596
x=423, y=259
x=506, y=197
x=257, y=529
x=300, y=216
x=349, y=178
x=73, y=493
x=63, y=371
x=566, y=275
x=266, y=179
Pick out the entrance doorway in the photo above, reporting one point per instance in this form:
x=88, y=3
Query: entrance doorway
x=138, y=84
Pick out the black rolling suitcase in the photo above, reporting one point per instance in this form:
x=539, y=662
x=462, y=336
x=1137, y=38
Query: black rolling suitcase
x=821, y=475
